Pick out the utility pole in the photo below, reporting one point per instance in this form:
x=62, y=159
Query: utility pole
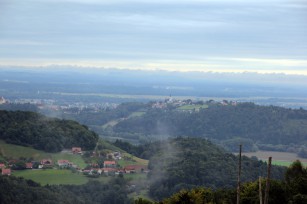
x=239, y=175
x=260, y=190
x=267, y=186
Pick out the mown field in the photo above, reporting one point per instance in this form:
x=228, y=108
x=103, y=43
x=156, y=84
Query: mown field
x=192, y=107
x=52, y=176
x=114, y=122
x=16, y=152
x=129, y=159
x=278, y=158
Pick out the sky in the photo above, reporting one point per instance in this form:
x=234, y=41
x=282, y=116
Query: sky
x=266, y=36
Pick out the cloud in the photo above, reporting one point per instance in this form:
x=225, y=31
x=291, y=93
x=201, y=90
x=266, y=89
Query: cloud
x=195, y=34
x=230, y=65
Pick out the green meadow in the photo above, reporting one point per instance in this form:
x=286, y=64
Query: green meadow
x=278, y=158
x=16, y=152
x=52, y=176
x=135, y=177
x=76, y=159
x=192, y=107
x=129, y=159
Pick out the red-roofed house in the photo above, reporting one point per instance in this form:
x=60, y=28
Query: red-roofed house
x=29, y=165
x=6, y=172
x=109, y=164
x=2, y=166
x=64, y=163
x=135, y=168
x=108, y=170
x=46, y=162
x=76, y=150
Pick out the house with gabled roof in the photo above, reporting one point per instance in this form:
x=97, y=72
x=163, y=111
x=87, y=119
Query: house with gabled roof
x=46, y=163
x=135, y=168
x=76, y=150
x=64, y=163
x=109, y=164
x=2, y=165
x=29, y=165
x=6, y=172
x=109, y=171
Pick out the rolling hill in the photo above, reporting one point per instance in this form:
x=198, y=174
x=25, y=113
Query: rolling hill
x=43, y=133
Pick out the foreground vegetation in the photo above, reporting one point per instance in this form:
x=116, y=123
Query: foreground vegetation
x=18, y=190
x=186, y=163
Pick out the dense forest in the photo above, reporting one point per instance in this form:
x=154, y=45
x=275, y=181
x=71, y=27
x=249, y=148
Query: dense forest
x=104, y=116
x=43, y=133
x=264, y=127
x=293, y=190
x=19, y=190
x=185, y=163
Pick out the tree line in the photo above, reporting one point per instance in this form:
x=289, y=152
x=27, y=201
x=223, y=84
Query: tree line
x=186, y=163
x=292, y=190
x=43, y=133
x=253, y=125
x=19, y=190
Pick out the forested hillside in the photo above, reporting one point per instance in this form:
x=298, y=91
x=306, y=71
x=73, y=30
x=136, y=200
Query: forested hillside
x=265, y=127
x=102, y=117
x=18, y=190
x=185, y=163
x=43, y=133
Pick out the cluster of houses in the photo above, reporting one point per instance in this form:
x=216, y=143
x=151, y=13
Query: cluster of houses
x=110, y=166
x=178, y=103
x=6, y=169
x=170, y=100
x=2, y=100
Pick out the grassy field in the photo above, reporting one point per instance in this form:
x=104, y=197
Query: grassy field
x=192, y=107
x=16, y=151
x=282, y=163
x=114, y=122
x=110, y=123
x=135, y=177
x=136, y=114
x=52, y=176
x=132, y=160
x=76, y=159
x=278, y=158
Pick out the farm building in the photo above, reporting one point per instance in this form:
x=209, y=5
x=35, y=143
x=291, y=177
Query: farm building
x=29, y=165
x=109, y=164
x=64, y=163
x=76, y=150
x=6, y=172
